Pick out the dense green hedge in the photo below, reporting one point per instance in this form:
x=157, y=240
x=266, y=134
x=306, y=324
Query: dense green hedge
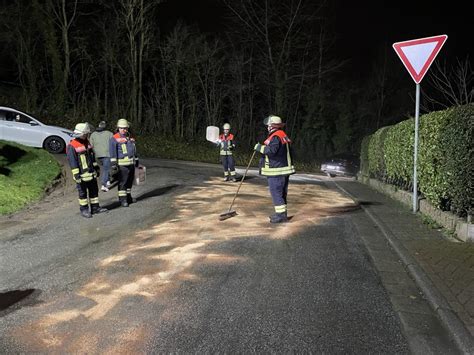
x=445, y=157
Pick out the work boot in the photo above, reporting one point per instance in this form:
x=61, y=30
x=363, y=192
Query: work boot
x=131, y=200
x=124, y=203
x=104, y=188
x=97, y=210
x=226, y=178
x=233, y=179
x=86, y=214
x=279, y=218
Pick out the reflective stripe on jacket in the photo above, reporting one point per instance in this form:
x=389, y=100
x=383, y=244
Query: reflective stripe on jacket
x=277, y=155
x=122, y=150
x=227, y=144
x=82, y=159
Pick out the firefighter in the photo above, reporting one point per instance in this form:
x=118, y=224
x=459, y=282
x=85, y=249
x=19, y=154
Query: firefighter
x=85, y=170
x=276, y=164
x=124, y=154
x=226, y=145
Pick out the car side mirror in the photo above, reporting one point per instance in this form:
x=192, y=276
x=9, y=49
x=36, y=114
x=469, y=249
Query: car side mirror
x=33, y=123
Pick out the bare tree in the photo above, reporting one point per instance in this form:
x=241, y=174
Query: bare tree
x=453, y=85
x=136, y=19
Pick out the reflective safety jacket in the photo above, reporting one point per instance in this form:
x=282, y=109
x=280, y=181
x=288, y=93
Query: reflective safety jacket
x=226, y=144
x=122, y=150
x=276, y=160
x=82, y=160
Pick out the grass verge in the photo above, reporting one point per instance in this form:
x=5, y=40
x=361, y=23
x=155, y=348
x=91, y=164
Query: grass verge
x=25, y=173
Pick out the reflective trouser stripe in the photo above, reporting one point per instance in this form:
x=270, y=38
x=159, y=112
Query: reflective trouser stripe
x=280, y=209
x=75, y=171
x=124, y=149
x=225, y=152
x=232, y=173
x=226, y=173
x=83, y=202
x=122, y=193
x=129, y=191
x=94, y=200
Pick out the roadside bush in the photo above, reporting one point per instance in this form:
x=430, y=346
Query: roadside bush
x=445, y=164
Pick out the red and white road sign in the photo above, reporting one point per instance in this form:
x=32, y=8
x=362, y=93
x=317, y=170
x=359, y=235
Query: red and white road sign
x=418, y=54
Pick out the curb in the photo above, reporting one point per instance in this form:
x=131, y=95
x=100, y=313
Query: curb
x=455, y=327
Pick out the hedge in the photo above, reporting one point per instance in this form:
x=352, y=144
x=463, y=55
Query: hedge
x=445, y=162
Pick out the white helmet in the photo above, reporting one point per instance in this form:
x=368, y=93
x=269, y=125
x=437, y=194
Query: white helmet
x=274, y=121
x=226, y=126
x=123, y=123
x=82, y=129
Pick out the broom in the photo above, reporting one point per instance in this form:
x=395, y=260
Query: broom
x=230, y=213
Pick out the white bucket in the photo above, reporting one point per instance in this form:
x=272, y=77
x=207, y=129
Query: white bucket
x=212, y=134
x=140, y=175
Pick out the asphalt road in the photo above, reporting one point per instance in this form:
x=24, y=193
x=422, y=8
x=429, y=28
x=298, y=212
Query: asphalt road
x=165, y=275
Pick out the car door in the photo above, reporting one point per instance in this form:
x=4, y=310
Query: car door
x=22, y=129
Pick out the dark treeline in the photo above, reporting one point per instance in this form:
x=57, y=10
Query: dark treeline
x=93, y=60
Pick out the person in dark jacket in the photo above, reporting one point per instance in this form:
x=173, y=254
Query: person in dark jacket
x=277, y=165
x=85, y=171
x=124, y=154
x=226, y=145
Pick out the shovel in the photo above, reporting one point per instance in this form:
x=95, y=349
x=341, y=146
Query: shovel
x=230, y=213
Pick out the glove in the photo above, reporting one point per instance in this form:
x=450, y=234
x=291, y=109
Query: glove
x=257, y=147
x=137, y=163
x=77, y=178
x=97, y=171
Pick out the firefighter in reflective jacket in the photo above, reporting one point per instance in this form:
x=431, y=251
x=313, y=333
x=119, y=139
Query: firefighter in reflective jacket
x=276, y=164
x=226, y=145
x=85, y=170
x=124, y=154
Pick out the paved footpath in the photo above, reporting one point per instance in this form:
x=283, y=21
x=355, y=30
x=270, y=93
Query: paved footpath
x=442, y=267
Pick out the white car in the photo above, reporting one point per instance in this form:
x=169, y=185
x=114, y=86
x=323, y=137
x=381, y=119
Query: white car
x=20, y=127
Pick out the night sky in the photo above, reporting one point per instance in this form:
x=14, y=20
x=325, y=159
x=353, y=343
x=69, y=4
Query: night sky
x=362, y=27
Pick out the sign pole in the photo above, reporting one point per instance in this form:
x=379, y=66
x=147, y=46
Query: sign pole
x=417, y=56
x=415, y=153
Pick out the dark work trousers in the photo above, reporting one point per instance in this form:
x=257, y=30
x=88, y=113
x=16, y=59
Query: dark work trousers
x=228, y=163
x=88, y=187
x=278, y=186
x=126, y=175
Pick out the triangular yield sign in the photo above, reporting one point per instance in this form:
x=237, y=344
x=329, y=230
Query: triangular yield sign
x=418, y=54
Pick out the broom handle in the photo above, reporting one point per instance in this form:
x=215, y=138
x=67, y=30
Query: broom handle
x=241, y=181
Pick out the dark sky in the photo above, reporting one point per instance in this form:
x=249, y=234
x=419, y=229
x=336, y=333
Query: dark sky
x=364, y=26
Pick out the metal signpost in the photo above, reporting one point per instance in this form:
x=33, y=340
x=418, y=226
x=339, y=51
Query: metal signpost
x=417, y=55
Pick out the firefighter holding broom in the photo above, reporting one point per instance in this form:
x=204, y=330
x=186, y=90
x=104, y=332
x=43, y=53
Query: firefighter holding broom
x=277, y=165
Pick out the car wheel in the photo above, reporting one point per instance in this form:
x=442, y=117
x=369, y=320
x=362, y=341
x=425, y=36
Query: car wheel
x=332, y=175
x=54, y=144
